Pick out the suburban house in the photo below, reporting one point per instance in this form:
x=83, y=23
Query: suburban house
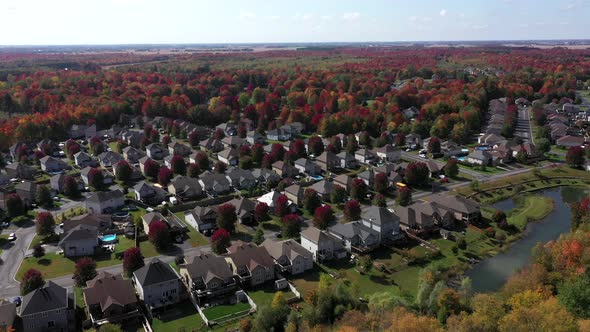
x=265, y=176
x=365, y=156
x=110, y=299
x=424, y=216
x=57, y=183
x=328, y=161
x=324, y=189
x=270, y=198
x=355, y=236
x=284, y=169
x=27, y=191
x=228, y=128
x=479, y=157
x=156, y=151
x=19, y=170
x=83, y=159
x=142, y=162
x=230, y=156
x=132, y=155
x=254, y=137
x=434, y=168
x=279, y=134
x=100, y=221
x=47, y=309
x=490, y=139
x=232, y=142
x=51, y=165
x=347, y=160
x=149, y=194
x=383, y=221
x=7, y=315
x=176, y=148
x=244, y=209
x=81, y=240
x=108, y=177
x=209, y=277
x=463, y=209
x=214, y=183
x=211, y=144
x=344, y=181
x=148, y=218
x=82, y=131
x=202, y=218
x=109, y=159
x=368, y=177
x=157, y=284
x=321, y=244
x=184, y=187
x=252, y=264
x=240, y=178
x=304, y=165
x=289, y=256
x=294, y=193
x=105, y=202
x=388, y=153
x=569, y=141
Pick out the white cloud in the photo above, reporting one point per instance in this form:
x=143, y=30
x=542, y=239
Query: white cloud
x=246, y=15
x=307, y=16
x=351, y=16
x=443, y=13
x=326, y=18
x=413, y=18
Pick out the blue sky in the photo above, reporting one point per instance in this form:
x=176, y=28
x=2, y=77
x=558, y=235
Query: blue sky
x=42, y=22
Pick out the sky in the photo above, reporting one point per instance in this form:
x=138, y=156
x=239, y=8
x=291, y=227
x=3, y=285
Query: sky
x=84, y=22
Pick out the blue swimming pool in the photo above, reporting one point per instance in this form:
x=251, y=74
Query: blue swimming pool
x=461, y=158
x=111, y=238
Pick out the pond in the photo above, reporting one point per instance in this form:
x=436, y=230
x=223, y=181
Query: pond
x=490, y=274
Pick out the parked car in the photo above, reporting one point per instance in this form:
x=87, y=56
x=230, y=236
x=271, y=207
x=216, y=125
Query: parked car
x=5, y=224
x=12, y=237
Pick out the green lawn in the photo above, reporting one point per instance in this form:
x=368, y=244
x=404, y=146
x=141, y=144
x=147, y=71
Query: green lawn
x=263, y=296
x=223, y=311
x=533, y=207
x=181, y=317
x=79, y=292
x=196, y=239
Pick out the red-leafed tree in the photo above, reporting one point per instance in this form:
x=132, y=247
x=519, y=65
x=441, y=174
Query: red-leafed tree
x=219, y=134
x=159, y=234
x=95, y=178
x=227, y=217
x=315, y=145
x=220, y=167
x=278, y=150
x=193, y=138
x=404, y=196
x=381, y=183
x=291, y=226
x=434, y=145
x=164, y=176
x=45, y=224
x=257, y=153
x=245, y=150
x=85, y=270
x=299, y=148
x=416, y=173
x=220, y=241
x=96, y=146
x=71, y=186
x=123, y=171
x=311, y=200
x=193, y=170
x=323, y=216
x=14, y=206
x=352, y=210
x=358, y=189
x=151, y=169
x=32, y=279
x=132, y=260
x=379, y=200
x=202, y=161
x=575, y=156
x=178, y=165
x=282, y=206
x=261, y=212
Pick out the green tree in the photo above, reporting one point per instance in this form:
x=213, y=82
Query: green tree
x=44, y=198
x=311, y=200
x=575, y=295
x=258, y=236
x=45, y=223
x=451, y=168
x=338, y=194
x=364, y=263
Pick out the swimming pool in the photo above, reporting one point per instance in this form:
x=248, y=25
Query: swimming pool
x=461, y=158
x=111, y=238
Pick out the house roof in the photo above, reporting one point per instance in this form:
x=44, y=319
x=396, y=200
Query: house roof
x=288, y=248
x=94, y=220
x=316, y=235
x=28, y=186
x=250, y=255
x=148, y=218
x=107, y=289
x=323, y=187
x=7, y=311
x=243, y=204
x=380, y=215
x=207, y=266
x=155, y=272
x=183, y=183
x=457, y=203
x=49, y=297
x=102, y=196
x=80, y=232
x=352, y=229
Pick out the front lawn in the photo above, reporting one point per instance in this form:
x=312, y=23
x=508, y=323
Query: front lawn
x=226, y=311
x=195, y=238
x=180, y=317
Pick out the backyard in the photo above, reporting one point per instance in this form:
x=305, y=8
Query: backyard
x=181, y=317
x=226, y=311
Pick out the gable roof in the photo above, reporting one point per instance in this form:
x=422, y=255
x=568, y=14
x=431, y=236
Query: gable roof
x=155, y=272
x=380, y=215
x=80, y=232
x=250, y=255
x=288, y=248
x=316, y=235
x=207, y=266
x=107, y=289
x=49, y=297
x=458, y=203
x=102, y=196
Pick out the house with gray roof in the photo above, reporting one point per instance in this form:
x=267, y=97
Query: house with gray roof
x=307, y=166
x=132, y=155
x=156, y=151
x=252, y=264
x=463, y=209
x=47, y=309
x=383, y=221
x=240, y=178
x=424, y=216
x=355, y=236
x=105, y=201
x=18, y=170
x=83, y=159
x=149, y=194
x=202, y=218
x=7, y=315
x=186, y=188
x=110, y=299
x=214, y=183
x=322, y=244
x=157, y=284
x=51, y=165
x=289, y=256
x=81, y=240
x=27, y=191
x=109, y=159
x=208, y=277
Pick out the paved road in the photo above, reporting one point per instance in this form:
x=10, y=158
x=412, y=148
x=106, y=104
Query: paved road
x=523, y=125
x=12, y=256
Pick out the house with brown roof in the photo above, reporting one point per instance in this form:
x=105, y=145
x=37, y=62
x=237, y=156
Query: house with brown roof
x=424, y=216
x=211, y=144
x=295, y=193
x=110, y=299
x=321, y=244
x=289, y=256
x=208, y=276
x=463, y=209
x=252, y=264
x=101, y=221
x=176, y=148
x=244, y=209
x=323, y=188
x=344, y=181
x=19, y=170
x=569, y=141
x=388, y=153
x=230, y=156
x=328, y=161
x=284, y=169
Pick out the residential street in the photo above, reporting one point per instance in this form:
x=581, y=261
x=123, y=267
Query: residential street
x=523, y=125
x=12, y=257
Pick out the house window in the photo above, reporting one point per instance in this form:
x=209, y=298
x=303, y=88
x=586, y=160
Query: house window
x=173, y=291
x=44, y=314
x=51, y=324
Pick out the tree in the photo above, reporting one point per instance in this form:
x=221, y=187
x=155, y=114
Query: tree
x=365, y=139
x=434, y=145
x=14, y=206
x=194, y=138
x=451, y=168
x=261, y=212
x=132, y=260
x=282, y=206
x=574, y=295
x=220, y=241
x=323, y=216
x=379, y=200
x=123, y=171
x=338, y=194
x=448, y=303
x=498, y=217
x=45, y=224
x=95, y=178
x=257, y=153
x=315, y=145
x=227, y=217
x=351, y=144
x=71, y=188
x=358, y=189
x=474, y=185
x=291, y=227
x=193, y=170
x=43, y=196
x=364, y=263
x=159, y=234
x=416, y=173
x=220, y=167
x=299, y=148
x=85, y=270
x=32, y=279
x=178, y=165
x=404, y=196
x=96, y=146
x=202, y=161
x=258, y=237
x=38, y=251
x=543, y=145
x=164, y=176
x=381, y=183
x=352, y=210
x=575, y=156
x=311, y=200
